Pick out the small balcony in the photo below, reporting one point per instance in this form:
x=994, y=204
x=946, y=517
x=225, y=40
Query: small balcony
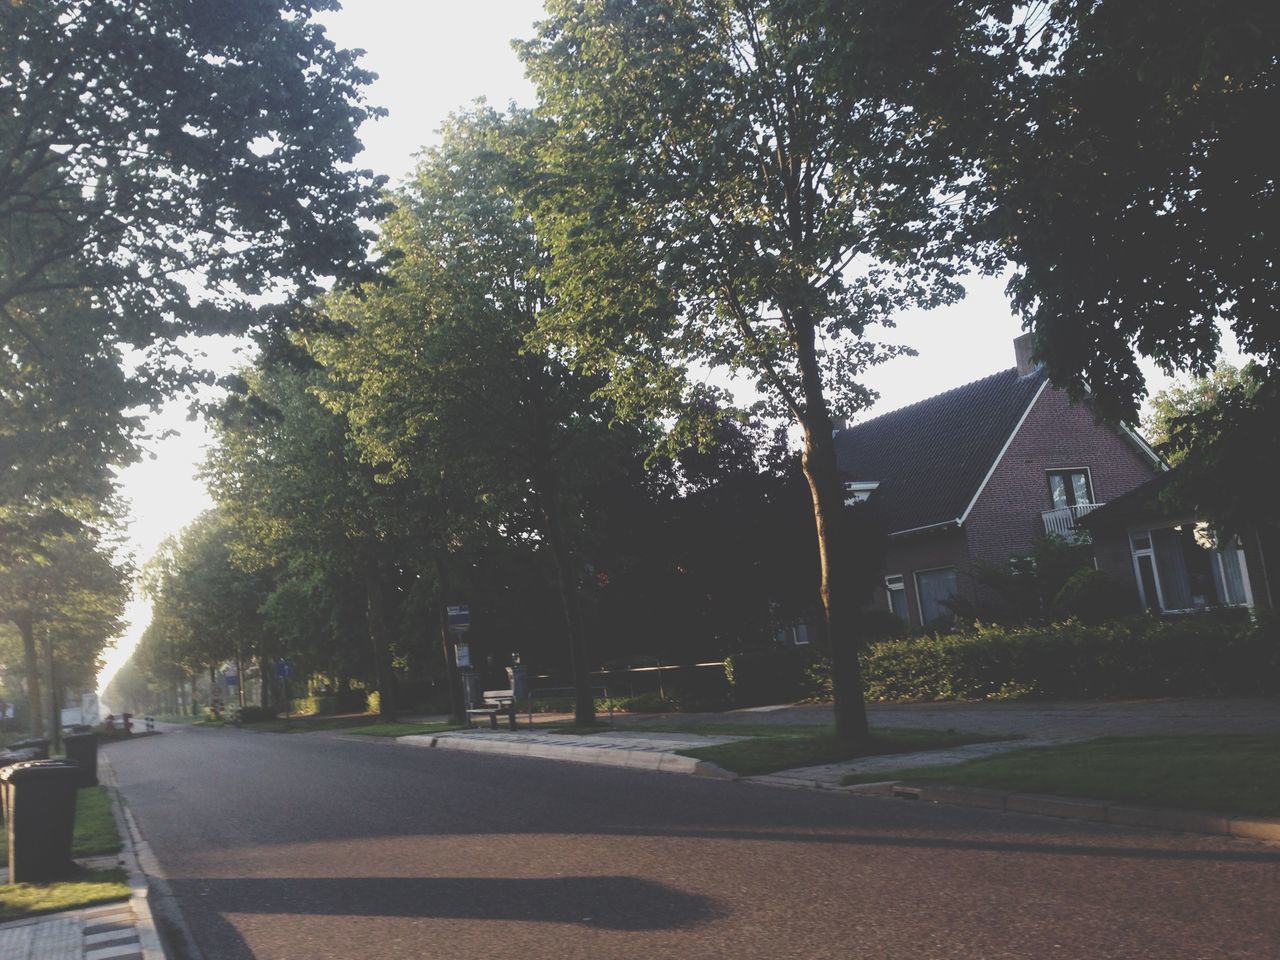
x=1062, y=521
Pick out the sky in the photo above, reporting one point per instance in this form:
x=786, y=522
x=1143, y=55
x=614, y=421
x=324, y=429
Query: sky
x=433, y=58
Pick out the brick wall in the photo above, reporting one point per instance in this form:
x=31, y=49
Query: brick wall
x=924, y=551
x=1056, y=434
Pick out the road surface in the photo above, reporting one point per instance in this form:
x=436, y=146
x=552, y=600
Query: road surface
x=305, y=846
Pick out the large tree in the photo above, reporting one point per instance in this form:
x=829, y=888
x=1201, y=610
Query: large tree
x=439, y=381
x=1121, y=175
x=723, y=190
x=147, y=143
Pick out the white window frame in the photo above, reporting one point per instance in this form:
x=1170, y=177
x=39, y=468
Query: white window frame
x=857, y=491
x=1093, y=494
x=915, y=576
x=890, y=586
x=1155, y=570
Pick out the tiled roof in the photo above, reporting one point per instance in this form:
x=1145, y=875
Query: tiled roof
x=932, y=456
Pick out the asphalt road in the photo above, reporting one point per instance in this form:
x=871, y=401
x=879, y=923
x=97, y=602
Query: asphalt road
x=301, y=847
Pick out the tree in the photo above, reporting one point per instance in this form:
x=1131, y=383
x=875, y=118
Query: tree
x=1220, y=433
x=438, y=379
x=148, y=142
x=722, y=190
x=1120, y=176
x=286, y=474
x=1188, y=398
x=66, y=606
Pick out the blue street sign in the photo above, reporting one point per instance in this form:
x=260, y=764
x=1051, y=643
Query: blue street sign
x=459, y=618
x=284, y=669
x=230, y=679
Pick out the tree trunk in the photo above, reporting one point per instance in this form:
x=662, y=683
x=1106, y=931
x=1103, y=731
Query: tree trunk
x=547, y=481
x=452, y=679
x=264, y=680
x=839, y=604
x=378, y=636
x=35, y=714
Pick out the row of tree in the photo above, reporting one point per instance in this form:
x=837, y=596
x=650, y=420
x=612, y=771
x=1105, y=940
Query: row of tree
x=750, y=186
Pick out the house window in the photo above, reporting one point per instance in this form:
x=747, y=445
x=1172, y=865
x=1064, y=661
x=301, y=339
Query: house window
x=1068, y=488
x=896, y=592
x=858, y=491
x=1183, y=568
x=934, y=588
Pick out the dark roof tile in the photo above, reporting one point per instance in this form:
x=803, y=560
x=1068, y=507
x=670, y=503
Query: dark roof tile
x=932, y=456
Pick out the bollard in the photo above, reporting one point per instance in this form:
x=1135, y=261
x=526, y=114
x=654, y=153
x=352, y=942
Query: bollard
x=150, y=723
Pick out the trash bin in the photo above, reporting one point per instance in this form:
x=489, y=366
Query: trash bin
x=82, y=750
x=41, y=747
x=40, y=815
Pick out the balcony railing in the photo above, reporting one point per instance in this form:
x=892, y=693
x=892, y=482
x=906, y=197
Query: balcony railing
x=1062, y=520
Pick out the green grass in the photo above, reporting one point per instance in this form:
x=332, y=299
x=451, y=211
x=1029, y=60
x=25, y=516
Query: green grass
x=306, y=724
x=403, y=729
x=805, y=746
x=89, y=888
x=1229, y=774
x=95, y=830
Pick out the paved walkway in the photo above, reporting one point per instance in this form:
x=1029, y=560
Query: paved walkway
x=1034, y=724
x=109, y=932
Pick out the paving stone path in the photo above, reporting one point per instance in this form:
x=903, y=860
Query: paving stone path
x=108, y=932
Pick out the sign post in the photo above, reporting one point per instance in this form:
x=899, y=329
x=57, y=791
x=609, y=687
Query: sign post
x=284, y=670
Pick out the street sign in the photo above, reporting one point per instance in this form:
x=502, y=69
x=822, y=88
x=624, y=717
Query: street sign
x=284, y=670
x=459, y=618
x=463, y=653
x=231, y=680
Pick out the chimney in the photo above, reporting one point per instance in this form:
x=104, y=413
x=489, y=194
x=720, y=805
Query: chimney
x=1023, y=350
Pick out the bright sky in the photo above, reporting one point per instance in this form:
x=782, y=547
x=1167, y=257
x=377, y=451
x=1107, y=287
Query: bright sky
x=433, y=58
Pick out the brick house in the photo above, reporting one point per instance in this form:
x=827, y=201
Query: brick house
x=1174, y=562
x=977, y=475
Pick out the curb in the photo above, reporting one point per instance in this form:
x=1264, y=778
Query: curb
x=600, y=756
x=140, y=864
x=1076, y=808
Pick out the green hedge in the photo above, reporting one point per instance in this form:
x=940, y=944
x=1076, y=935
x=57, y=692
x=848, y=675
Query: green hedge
x=1206, y=655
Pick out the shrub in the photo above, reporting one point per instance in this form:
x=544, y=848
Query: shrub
x=1205, y=655
x=764, y=677
x=320, y=705
x=373, y=702
x=252, y=714
x=1092, y=597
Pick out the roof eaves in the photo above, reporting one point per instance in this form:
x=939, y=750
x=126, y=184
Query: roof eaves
x=1000, y=456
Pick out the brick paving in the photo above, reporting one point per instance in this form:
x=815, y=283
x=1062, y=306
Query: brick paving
x=108, y=932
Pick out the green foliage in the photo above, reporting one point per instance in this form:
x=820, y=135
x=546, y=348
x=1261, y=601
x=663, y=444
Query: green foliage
x=255, y=714
x=1207, y=655
x=759, y=678
x=1092, y=597
x=323, y=705
x=1027, y=587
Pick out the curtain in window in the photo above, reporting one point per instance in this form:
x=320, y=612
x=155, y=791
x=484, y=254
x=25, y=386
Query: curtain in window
x=936, y=586
x=1171, y=567
x=1234, y=592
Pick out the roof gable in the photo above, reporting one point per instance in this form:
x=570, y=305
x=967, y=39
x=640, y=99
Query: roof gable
x=932, y=457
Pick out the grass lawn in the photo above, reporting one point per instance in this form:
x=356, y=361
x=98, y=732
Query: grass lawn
x=1230, y=774
x=305, y=724
x=91, y=887
x=780, y=747
x=95, y=830
x=403, y=729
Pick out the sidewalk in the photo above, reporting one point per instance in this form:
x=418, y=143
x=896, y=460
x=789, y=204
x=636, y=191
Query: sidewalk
x=124, y=930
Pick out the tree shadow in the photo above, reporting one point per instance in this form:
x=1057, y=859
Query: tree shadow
x=608, y=902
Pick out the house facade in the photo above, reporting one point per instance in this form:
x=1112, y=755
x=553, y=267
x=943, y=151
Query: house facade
x=976, y=476
x=1176, y=563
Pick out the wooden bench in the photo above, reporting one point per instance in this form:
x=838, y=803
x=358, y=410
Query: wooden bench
x=495, y=702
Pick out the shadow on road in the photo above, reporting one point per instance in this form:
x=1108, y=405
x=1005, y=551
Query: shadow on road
x=614, y=903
